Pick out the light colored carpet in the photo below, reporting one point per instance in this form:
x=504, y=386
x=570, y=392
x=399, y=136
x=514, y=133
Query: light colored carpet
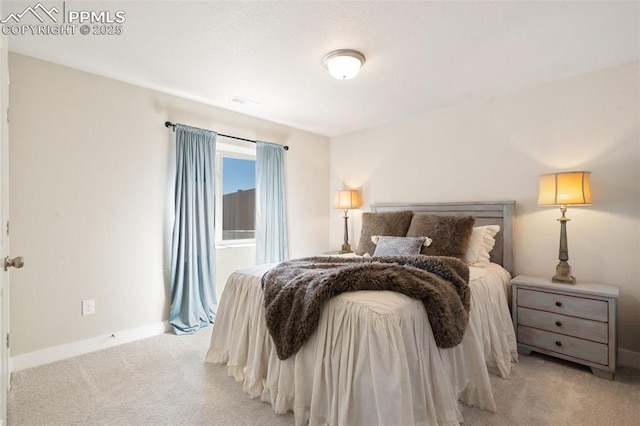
x=163, y=380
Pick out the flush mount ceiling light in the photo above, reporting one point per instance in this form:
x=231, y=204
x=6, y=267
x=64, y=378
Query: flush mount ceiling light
x=343, y=64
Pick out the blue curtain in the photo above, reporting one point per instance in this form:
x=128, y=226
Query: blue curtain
x=193, y=296
x=271, y=221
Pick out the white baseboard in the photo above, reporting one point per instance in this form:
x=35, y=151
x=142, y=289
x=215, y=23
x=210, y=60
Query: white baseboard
x=629, y=358
x=57, y=353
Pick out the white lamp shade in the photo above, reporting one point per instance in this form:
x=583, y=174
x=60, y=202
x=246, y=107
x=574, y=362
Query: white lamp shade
x=565, y=189
x=344, y=64
x=347, y=199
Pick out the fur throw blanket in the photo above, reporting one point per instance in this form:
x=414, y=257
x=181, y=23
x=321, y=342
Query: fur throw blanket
x=296, y=290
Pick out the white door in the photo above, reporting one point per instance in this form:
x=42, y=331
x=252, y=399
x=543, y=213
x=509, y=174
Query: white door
x=4, y=221
x=4, y=238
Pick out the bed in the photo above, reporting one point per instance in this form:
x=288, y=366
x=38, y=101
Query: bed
x=373, y=358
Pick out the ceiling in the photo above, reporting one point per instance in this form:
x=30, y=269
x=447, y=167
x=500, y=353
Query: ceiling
x=419, y=55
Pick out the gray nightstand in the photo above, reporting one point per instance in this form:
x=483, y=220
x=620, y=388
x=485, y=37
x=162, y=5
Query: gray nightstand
x=572, y=322
x=337, y=253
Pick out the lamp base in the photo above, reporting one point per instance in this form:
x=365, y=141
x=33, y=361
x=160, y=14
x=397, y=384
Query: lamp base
x=563, y=274
x=346, y=248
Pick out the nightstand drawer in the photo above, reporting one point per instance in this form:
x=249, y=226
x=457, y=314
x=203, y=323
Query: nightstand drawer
x=570, y=326
x=572, y=346
x=597, y=310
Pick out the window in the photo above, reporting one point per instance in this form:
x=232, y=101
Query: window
x=236, y=200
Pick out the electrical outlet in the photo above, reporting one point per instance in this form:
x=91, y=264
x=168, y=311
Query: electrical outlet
x=88, y=307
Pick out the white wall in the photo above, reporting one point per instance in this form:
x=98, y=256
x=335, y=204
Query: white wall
x=494, y=149
x=91, y=200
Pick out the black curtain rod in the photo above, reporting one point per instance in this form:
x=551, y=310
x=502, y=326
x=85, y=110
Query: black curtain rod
x=168, y=124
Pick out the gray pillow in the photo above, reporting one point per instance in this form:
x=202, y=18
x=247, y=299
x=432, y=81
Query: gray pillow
x=450, y=234
x=392, y=224
x=398, y=246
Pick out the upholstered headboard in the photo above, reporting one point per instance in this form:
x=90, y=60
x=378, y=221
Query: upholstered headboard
x=486, y=213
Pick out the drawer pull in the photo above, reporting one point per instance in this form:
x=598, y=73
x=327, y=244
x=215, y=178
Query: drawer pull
x=558, y=323
x=558, y=343
x=558, y=303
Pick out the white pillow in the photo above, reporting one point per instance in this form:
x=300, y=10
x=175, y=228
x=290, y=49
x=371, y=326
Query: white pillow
x=481, y=243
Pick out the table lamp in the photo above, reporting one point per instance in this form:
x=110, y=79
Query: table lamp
x=345, y=200
x=564, y=189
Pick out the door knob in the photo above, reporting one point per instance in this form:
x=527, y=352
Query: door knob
x=16, y=262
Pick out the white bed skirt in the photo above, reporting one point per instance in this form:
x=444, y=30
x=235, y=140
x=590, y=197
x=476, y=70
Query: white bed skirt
x=372, y=360
x=490, y=315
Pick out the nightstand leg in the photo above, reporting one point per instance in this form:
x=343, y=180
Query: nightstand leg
x=524, y=351
x=605, y=374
